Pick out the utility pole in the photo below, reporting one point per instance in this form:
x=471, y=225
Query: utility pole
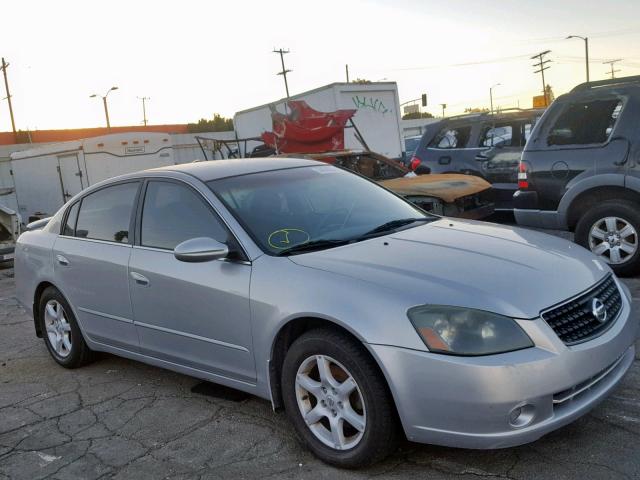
x=346, y=67
x=491, y=95
x=144, y=109
x=443, y=105
x=6, y=88
x=611, y=63
x=284, y=70
x=586, y=51
x=541, y=66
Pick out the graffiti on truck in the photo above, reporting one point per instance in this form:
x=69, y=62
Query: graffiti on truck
x=374, y=104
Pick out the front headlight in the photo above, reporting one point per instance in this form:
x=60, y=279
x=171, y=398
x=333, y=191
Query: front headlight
x=465, y=331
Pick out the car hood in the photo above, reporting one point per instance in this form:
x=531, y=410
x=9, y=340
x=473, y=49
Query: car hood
x=448, y=186
x=510, y=271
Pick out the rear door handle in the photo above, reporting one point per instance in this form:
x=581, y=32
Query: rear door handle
x=62, y=260
x=139, y=278
x=444, y=160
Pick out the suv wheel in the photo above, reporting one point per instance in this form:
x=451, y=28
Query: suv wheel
x=610, y=230
x=60, y=330
x=337, y=400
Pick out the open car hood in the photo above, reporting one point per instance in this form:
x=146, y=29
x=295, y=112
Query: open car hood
x=447, y=186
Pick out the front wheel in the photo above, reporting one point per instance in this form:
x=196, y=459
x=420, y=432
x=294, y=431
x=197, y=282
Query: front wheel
x=337, y=399
x=610, y=230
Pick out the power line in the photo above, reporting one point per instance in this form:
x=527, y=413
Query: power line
x=284, y=71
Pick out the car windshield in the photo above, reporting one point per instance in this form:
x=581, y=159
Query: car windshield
x=307, y=208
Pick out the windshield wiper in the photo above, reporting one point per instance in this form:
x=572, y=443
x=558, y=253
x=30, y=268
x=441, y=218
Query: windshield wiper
x=313, y=245
x=393, y=224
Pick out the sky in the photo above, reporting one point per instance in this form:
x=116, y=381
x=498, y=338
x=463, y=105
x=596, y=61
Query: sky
x=197, y=58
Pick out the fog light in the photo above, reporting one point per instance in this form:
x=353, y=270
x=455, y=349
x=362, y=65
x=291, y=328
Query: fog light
x=522, y=415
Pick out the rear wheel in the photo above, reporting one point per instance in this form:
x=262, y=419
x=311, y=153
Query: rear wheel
x=610, y=230
x=60, y=329
x=337, y=400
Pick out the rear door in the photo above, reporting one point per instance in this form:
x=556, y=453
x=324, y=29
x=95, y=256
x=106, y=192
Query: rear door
x=91, y=258
x=504, y=142
x=70, y=176
x=580, y=138
x=453, y=150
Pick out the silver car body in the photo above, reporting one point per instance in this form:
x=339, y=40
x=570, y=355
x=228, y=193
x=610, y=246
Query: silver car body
x=220, y=320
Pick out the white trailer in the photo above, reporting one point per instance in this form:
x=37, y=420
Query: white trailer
x=46, y=177
x=377, y=116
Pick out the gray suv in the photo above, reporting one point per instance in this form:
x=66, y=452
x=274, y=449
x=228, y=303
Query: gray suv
x=480, y=144
x=580, y=172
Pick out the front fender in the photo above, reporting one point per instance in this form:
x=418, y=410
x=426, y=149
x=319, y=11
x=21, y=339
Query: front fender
x=282, y=291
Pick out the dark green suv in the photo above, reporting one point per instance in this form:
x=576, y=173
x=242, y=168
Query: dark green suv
x=580, y=171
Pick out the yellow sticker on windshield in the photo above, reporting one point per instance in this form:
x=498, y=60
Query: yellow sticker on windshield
x=287, y=238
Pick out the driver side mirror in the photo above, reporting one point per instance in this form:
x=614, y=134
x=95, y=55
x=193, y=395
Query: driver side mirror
x=201, y=249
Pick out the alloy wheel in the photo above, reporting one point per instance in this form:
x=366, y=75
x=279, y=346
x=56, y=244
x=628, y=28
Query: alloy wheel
x=58, y=328
x=614, y=239
x=330, y=402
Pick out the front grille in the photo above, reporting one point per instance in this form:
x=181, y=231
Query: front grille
x=574, y=321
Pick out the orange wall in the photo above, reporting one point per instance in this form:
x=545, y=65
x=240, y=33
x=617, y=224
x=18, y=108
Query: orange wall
x=43, y=136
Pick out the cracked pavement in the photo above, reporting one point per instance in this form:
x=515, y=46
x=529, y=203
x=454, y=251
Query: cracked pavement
x=122, y=419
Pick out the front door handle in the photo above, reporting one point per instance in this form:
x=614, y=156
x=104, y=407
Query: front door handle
x=139, y=278
x=62, y=260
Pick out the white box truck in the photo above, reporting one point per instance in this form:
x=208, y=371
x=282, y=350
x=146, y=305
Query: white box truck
x=46, y=177
x=377, y=115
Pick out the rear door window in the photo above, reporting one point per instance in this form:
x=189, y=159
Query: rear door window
x=106, y=214
x=585, y=123
x=452, y=138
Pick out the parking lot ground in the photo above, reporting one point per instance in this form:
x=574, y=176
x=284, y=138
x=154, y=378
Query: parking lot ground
x=123, y=419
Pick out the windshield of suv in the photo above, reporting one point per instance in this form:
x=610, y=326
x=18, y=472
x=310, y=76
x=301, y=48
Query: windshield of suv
x=315, y=207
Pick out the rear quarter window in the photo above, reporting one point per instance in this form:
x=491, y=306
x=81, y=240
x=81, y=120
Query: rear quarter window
x=452, y=138
x=585, y=123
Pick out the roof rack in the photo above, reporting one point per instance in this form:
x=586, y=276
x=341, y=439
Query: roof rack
x=497, y=112
x=606, y=83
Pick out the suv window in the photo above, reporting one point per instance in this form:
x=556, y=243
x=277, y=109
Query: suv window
x=585, y=123
x=499, y=135
x=452, y=138
x=70, y=225
x=106, y=214
x=173, y=213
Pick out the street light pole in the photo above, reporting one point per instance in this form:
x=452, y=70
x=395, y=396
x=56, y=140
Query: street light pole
x=586, y=51
x=104, y=101
x=491, y=95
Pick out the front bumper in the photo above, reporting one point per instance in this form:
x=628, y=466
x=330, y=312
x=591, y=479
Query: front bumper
x=467, y=401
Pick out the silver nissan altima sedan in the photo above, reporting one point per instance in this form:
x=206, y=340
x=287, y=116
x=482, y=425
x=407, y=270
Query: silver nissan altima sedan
x=333, y=298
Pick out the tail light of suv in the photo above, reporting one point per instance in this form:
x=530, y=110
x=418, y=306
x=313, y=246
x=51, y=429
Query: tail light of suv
x=523, y=177
x=414, y=163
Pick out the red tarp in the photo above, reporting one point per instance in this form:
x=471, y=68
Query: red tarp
x=306, y=130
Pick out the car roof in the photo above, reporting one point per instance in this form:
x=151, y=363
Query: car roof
x=216, y=169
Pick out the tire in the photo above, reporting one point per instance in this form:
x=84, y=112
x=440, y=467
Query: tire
x=65, y=326
x=619, y=220
x=370, y=399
